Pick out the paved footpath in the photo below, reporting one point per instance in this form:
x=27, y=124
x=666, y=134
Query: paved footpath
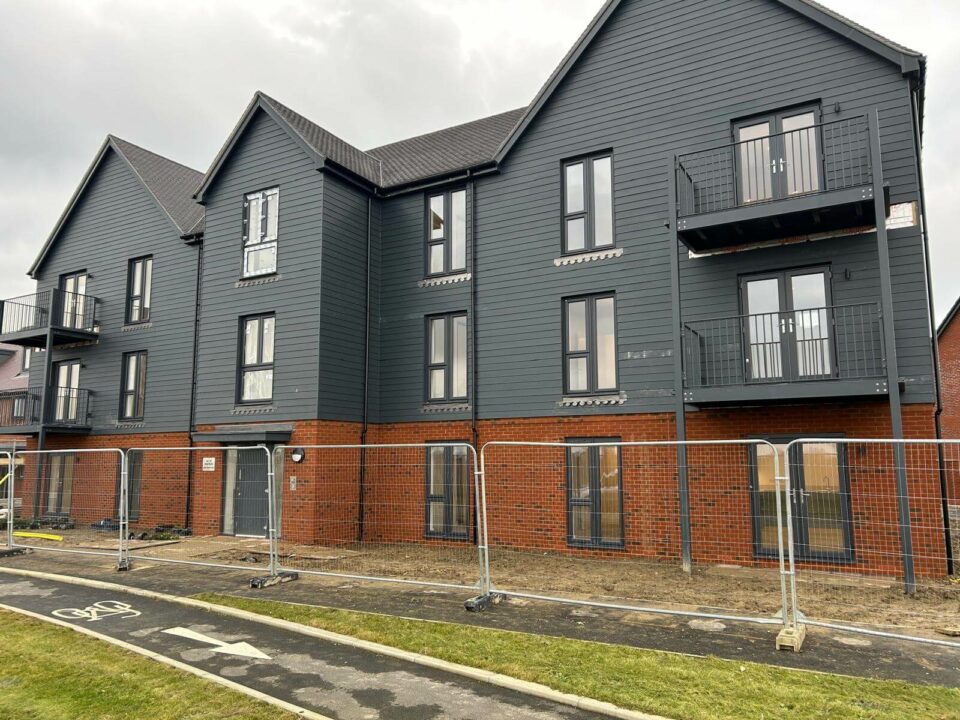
x=334, y=680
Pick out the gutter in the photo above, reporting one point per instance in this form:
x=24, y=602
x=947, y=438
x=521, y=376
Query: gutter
x=188, y=513
x=934, y=340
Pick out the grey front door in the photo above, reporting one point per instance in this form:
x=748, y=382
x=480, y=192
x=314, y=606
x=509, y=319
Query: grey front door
x=250, y=501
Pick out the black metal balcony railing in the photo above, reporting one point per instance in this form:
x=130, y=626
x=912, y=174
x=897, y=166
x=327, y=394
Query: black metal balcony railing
x=19, y=408
x=68, y=407
x=815, y=159
x=842, y=342
x=56, y=309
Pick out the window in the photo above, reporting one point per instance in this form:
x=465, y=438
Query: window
x=261, y=213
x=590, y=345
x=594, y=494
x=588, y=204
x=133, y=393
x=25, y=360
x=447, y=233
x=446, y=358
x=134, y=483
x=58, y=493
x=256, y=358
x=139, y=289
x=819, y=500
x=19, y=409
x=448, y=492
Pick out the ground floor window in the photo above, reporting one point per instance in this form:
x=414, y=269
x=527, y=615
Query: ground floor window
x=448, y=492
x=58, y=495
x=594, y=494
x=819, y=500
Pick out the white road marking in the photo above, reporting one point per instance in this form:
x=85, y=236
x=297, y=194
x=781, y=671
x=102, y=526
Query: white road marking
x=241, y=649
x=98, y=611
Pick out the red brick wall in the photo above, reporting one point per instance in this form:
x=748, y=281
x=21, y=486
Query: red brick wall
x=949, y=342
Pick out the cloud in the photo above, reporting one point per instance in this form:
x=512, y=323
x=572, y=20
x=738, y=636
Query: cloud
x=174, y=76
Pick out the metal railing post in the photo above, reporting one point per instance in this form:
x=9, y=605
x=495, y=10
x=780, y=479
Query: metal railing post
x=123, y=560
x=271, y=512
x=11, y=472
x=794, y=631
x=480, y=493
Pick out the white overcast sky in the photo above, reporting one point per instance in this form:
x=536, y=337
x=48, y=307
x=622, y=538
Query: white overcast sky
x=174, y=76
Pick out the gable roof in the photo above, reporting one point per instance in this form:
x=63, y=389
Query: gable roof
x=169, y=183
x=909, y=60
x=445, y=151
x=320, y=144
x=949, y=318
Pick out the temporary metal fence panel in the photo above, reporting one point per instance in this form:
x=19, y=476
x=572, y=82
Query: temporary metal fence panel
x=7, y=468
x=67, y=501
x=874, y=542
x=400, y=513
x=601, y=522
x=209, y=506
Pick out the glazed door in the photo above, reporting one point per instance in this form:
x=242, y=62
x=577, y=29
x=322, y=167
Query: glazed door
x=73, y=289
x=777, y=156
x=66, y=391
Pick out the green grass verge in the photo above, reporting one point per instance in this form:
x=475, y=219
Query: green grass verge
x=676, y=686
x=52, y=673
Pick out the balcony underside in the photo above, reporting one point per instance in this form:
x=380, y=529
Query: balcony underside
x=38, y=338
x=804, y=215
x=34, y=429
x=768, y=392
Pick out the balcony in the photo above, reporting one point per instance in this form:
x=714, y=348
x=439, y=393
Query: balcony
x=68, y=411
x=69, y=318
x=816, y=353
x=811, y=180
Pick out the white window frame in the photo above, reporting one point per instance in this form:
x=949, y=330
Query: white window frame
x=260, y=230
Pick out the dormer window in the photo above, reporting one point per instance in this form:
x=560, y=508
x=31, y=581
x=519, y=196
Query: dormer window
x=261, y=213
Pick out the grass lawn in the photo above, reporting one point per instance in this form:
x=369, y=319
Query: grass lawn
x=676, y=686
x=52, y=673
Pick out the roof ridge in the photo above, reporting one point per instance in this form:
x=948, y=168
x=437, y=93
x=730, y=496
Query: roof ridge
x=447, y=128
x=116, y=138
x=289, y=109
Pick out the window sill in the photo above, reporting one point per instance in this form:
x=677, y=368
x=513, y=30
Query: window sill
x=134, y=327
x=445, y=280
x=580, y=258
x=258, y=280
x=129, y=424
x=252, y=409
x=451, y=407
x=593, y=400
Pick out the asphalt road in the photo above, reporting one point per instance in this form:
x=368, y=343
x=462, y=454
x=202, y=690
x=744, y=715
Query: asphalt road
x=334, y=680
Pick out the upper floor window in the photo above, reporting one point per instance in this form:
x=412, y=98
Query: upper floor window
x=139, y=289
x=261, y=212
x=256, y=358
x=447, y=357
x=447, y=233
x=25, y=360
x=133, y=392
x=590, y=344
x=588, y=204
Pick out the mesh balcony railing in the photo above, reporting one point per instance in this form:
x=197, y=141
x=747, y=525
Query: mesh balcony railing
x=840, y=342
x=816, y=159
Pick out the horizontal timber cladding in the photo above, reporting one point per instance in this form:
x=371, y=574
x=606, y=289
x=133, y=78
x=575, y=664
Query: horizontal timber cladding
x=115, y=221
x=661, y=77
x=264, y=157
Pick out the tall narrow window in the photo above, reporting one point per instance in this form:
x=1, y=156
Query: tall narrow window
x=446, y=357
x=133, y=394
x=594, y=498
x=448, y=492
x=588, y=204
x=256, y=358
x=590, y=344
x=139, y=289
x=447, y=233
x=25, y=360
x=261, y=213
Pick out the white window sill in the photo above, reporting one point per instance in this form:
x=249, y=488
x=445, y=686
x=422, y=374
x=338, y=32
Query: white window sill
x=445, y=280
x=252, y=409
x=258, y=280
x=588, y=257
x=432, y=408
x=593, y=401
